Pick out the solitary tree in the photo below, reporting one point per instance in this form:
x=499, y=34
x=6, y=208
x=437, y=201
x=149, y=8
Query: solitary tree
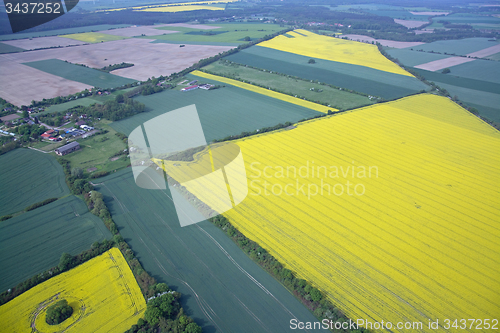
x=65, y=261
x=446, y=71
x=312, y=61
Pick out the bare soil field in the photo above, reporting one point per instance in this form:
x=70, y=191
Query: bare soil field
x=443, y=63
x=42, y=42
x=410, y=24
x=192, y=26
x=133, y=31
x=21, y=84
x=384, y=42
x=485, y=52
x=10, y=117
x=430, y=13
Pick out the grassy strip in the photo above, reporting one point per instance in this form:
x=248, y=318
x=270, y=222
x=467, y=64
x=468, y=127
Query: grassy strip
x=266, y=92
x=334, y=97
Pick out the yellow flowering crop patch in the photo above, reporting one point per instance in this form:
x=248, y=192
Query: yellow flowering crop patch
x=93, y=37
x=392, y=210
x=103, y=293
x=312, y=45
x=194, y=3
x=267, y=92
x=172, y=9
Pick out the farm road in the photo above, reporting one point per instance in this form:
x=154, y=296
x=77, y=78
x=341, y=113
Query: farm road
x=223, y=289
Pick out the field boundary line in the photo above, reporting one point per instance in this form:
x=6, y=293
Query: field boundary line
x=266, y=92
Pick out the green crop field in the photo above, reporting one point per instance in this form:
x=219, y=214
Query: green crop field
x=466, y=18
x=232, y=33
x=225, y=111
x=413, y=58
x=399, y=14
x=96, y=151
x=79, y=73
x=198, y=259
x=460, y=81
x=6, y=48
x=486, y=26
x=68, y=105
x=34, y=241
x=23, y=35
x=487, y=103
x=495, y=57
x=337, y=99
x=357, y=78
x=457, y=46
x=28, y=177
x=483, y=70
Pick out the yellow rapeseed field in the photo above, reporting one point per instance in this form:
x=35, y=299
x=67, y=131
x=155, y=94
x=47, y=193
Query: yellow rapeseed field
x=103, y=293
x=93, y=37
x=172, y=9
x=267, y=92
x=316, y=46
x=392, y=210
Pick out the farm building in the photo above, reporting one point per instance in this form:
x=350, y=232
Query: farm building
x=190, y=88
x=205, y=86
x=66, y=149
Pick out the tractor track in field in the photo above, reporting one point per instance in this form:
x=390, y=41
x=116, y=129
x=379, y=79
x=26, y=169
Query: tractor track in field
x=209, y=313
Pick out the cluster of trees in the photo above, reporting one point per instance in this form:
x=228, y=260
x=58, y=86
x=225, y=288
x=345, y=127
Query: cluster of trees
x=8, y=144
x=6, y=105
x=164, y=314
x=96, y=205
x=28, y=131
x=40, y=204
x=145, y=89
x=116, y=66
x=58, y=312
x=74, y=178
x=111, y=110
